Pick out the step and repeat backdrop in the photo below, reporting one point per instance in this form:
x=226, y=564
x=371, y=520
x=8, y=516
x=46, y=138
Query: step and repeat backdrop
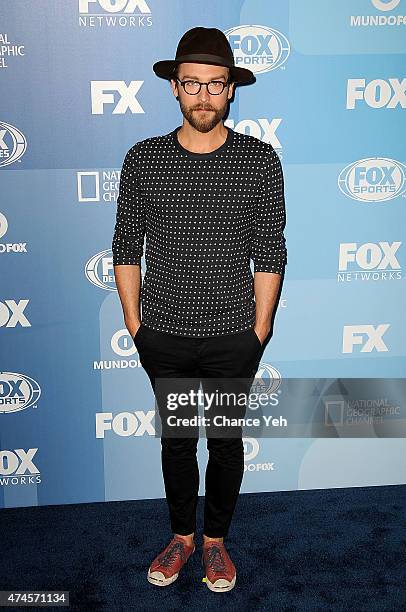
x=77, y=412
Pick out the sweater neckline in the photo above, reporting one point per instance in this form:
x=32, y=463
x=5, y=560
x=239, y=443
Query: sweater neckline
x=193, y=155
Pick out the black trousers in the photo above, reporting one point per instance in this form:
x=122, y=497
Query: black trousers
x=185, y=362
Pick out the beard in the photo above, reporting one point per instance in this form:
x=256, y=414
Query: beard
x=203, y=122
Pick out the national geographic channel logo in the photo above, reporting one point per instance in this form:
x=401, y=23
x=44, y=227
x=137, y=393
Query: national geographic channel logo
x=98, y=185
x=9, y=51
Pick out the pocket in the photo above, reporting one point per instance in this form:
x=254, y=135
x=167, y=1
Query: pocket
x=137, y=332
x=256, y=337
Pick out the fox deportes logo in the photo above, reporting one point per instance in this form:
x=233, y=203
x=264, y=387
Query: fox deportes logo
x=100, y=272
x=18, y=392
x=13, y=144
x=267, y=380
x=258, y=48
x=374, y=179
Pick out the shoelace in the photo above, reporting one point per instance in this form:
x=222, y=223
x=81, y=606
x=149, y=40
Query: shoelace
x=215, y=559
x=169, y=556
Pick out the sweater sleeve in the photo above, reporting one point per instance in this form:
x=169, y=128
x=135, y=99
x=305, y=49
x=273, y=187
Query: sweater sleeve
x=268, y=250
x=128, y=238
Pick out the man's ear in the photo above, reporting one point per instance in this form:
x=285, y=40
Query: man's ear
x=174, y=87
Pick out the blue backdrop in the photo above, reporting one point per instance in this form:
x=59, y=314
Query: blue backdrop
x=77, y=91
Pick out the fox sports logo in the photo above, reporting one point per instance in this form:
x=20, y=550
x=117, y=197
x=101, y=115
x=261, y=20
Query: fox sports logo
x=258, y=48
x=17, y=392
x=13, y=144
x=374, y=179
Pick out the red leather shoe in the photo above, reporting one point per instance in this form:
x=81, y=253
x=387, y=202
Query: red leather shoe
x=220, y=570
x=166, y=566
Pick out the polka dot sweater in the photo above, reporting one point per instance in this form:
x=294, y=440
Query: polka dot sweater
x=203, y=216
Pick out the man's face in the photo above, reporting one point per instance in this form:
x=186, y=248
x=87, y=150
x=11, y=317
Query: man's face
x=215, y=106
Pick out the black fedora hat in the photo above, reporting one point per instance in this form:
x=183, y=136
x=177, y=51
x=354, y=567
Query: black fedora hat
x=203, y=46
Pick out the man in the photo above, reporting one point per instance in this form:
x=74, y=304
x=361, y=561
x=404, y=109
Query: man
x=208, y=199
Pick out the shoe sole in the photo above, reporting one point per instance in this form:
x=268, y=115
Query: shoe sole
x=157, y=581
x=219, y=589
x=161, y=581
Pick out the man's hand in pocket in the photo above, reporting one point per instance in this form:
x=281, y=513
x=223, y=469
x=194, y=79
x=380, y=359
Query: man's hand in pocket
x=132, y=327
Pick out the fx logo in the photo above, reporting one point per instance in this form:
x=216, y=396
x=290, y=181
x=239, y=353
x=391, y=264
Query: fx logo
x=369, y=256
x=377, y=93
x=101, y=94
x=11, y=313
x=367, y=335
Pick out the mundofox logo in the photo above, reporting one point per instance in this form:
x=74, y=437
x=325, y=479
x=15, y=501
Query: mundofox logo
x=385, y=5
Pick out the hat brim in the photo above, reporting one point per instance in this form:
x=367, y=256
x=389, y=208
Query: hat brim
x=165, y=69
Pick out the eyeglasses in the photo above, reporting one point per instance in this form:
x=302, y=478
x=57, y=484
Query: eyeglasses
x=213, y=87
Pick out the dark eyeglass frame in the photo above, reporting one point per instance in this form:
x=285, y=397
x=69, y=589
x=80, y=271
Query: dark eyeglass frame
x=224, y=83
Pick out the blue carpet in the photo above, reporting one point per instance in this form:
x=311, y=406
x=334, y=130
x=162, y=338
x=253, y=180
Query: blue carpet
x=323, y=549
